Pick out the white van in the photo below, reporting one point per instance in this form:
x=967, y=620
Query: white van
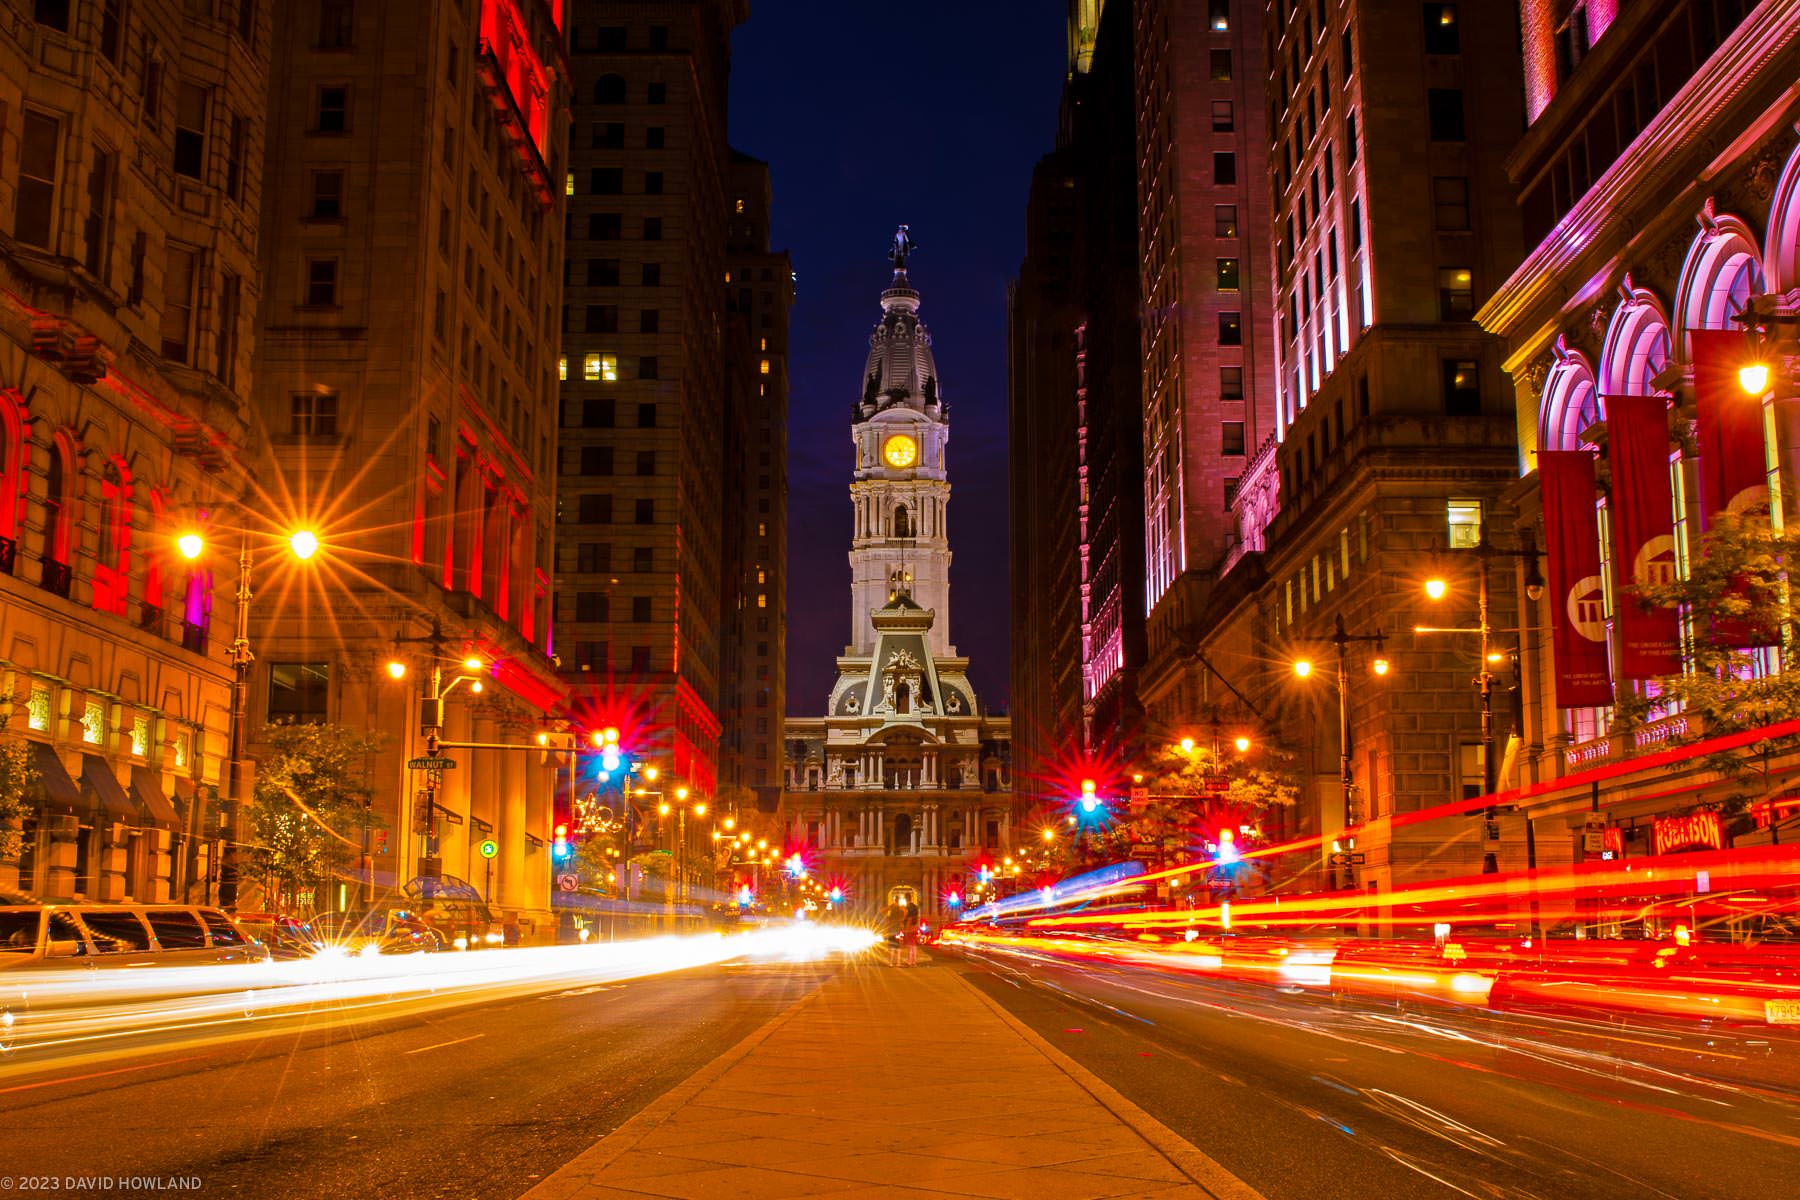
x=120, y=935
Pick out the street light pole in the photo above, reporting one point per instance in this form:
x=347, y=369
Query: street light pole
x=241, y=658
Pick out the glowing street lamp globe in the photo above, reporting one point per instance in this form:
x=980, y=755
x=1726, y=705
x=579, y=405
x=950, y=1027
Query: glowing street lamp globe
x=191, y=545
x=304, y=543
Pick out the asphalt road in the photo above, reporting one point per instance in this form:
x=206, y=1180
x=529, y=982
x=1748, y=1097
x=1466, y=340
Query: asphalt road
x=476, y=1101
x=1305, y=1097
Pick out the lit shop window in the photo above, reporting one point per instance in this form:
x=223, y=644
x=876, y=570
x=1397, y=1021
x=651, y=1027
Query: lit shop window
x=1465, y=524
x=38, y=709
x=93, y=723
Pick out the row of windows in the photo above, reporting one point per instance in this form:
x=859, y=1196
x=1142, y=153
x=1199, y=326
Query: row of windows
x=610, y=227
x=607, y=272
x=598, y=460
x=604, y=318
x=598, y=367
x=596, y=508
x=611, y=39
x=610, y=181
x=601, y=412
x=610, y=135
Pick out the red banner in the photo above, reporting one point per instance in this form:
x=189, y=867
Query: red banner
x=1572, y=539
x=1733, y=464
x=1643, y=534
x=1734, y=473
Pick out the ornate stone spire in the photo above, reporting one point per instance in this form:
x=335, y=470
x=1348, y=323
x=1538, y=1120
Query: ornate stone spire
x=901, y=369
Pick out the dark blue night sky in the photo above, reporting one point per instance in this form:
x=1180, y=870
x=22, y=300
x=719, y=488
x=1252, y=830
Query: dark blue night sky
x=933, y=114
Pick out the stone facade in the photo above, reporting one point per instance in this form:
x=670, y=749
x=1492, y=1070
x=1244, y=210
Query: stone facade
x=904, y=783
x=641, y=584
x=405, y=405
x=130, y=141
x=1393, y=436
x=1685, y=211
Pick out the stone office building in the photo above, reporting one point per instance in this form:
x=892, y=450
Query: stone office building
x=130, y=138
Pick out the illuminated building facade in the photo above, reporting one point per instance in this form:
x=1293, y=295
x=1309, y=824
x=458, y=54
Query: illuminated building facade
x=406, y=399
x=1659, y=181
x=1075, y=423
x=128, y=284
x=1388, y=128
x=641, y=585
x=904, y=782
x=754, y=624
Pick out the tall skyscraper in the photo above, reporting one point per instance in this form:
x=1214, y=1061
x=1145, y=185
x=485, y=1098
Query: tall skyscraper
x=131, y=138
x=903, y=786
x=1205, y=295
x=1075, y=426
x=760, y=290
x=1388, y=125
x=641, y=559
x=406, y=399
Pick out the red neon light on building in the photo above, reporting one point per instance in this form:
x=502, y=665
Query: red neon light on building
x=1695, y=831
x=503, y=29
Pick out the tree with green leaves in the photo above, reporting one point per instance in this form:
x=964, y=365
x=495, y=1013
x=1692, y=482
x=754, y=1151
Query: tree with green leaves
x=18, y=777
x=1740, y=579
x=312, y=804
x=1185, y=804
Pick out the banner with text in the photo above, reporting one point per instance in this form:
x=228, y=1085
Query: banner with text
x=1734, y=473
x=1572, y=539
x=1643, y=534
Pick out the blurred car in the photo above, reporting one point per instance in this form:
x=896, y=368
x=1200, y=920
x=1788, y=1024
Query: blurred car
x=286, y=937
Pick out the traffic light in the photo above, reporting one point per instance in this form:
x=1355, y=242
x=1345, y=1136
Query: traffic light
x=1227, y=851
x=560, y=849
x=837, y=895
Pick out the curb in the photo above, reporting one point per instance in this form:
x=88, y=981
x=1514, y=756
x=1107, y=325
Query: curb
x=1189, y=1159
x=580, y=1172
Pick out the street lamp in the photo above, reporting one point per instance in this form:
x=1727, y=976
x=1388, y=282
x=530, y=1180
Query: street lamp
x=1341, y=639
x=191, y=545
x=1437, y=588
x=431, y=721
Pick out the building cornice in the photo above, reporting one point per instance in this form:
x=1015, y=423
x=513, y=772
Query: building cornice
x=1652, y=173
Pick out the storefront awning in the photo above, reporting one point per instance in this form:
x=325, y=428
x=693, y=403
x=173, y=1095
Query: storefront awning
x=146, y=789
x=98, y=778
x=53, y=778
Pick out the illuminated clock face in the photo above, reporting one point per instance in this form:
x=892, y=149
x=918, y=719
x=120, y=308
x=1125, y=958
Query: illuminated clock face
x=900, y=451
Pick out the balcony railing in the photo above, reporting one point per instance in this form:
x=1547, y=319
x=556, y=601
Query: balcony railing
x=57, y=577
x=1623, y=744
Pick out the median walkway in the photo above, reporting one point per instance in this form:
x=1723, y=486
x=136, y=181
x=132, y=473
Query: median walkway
x=892, y=1081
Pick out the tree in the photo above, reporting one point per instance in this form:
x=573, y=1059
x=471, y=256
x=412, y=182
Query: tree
x=312, y=803
x=1740, y=579
x=1185, y=808
x=594, y=864
x=17, y=779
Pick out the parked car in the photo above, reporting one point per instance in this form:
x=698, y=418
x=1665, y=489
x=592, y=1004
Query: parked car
x=120, y=935
x=286, y=937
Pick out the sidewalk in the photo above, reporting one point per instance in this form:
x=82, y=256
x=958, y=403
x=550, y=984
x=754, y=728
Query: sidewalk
x=892, y=1081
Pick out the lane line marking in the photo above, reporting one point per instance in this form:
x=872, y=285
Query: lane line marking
x=441, y=1045
x=167, y=1062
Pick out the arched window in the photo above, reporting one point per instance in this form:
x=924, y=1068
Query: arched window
x=196, y=615
x=609, y=89
x=1781, y=249
x=155, y=557
x=1571, y=402
x=59, y=516
x=112, y=571
x=1637, y=346
x=1723, y=270
x=14, y=459
x=902, y=522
